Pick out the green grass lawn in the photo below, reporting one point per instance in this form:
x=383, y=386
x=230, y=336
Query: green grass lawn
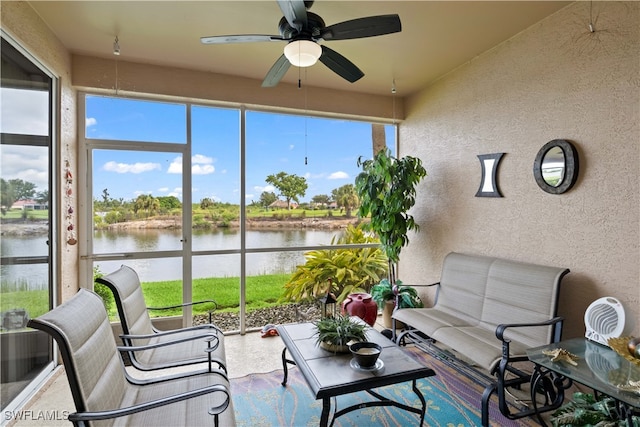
x=31, y=214
x=262, y=291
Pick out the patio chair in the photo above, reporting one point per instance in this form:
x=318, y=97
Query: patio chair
x=105, y=394
x=176, y=347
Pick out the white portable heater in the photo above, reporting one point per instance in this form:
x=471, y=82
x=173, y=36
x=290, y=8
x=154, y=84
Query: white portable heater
x=605, y=318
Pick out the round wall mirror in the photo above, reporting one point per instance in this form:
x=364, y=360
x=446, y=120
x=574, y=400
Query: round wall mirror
x=556, y=166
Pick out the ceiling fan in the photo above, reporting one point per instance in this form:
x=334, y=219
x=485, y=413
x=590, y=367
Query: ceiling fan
x=303, y=30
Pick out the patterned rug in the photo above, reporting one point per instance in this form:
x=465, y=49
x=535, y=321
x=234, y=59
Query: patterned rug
x=261, y=401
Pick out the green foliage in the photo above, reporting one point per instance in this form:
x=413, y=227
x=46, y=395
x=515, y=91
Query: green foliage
x=384, y=291
x=266, y=198
x=206, y=203
x=112, y=217
x=290, y=186
x=169, y=203
x=346, y=197
x=102, y=290
x=339, y=330
x=387, y=190
x=586, y=410
x=14, y=190
x=350, y=270
x=147, y=204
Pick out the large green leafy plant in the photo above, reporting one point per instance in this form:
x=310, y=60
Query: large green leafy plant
x=349, y=270
x=586, y=410
x=386, y=188
x=339, y=330
x=407, y=295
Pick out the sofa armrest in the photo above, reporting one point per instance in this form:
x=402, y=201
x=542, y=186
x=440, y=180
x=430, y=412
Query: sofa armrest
x=397, y=297
x=556, y=322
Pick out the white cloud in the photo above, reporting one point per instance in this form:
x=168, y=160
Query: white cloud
x=163, y=189
x=201, y=159
x=201, y=165
x=90, y=121
x=248, y=196
x=130, y=168
x=268, y=188
x=24, y=111
x=291, y=147
x=202, y=169
x=175, y=166
x=338, y=175
x=28, y=163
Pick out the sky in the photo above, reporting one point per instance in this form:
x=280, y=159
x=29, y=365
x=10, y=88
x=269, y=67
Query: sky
x=275, y=143
x=24, y=112
x=323, y=151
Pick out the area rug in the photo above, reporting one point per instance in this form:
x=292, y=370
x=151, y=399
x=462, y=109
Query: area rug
x=261, y=401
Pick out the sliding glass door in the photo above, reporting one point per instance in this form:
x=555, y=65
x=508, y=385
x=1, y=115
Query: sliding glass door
x=28, y=241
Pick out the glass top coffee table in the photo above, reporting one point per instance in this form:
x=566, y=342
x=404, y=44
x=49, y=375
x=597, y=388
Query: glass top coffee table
x=597, y=367
x=330, y=374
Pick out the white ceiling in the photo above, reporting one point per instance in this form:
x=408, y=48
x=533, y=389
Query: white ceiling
x=436, y=37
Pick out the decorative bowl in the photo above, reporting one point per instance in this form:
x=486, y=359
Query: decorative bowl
x=365, y=353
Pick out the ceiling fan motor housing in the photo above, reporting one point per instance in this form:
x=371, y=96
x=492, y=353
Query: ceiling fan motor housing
x=311, y=31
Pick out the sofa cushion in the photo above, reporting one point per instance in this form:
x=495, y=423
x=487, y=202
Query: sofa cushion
x=521, y=293
x=463, y=285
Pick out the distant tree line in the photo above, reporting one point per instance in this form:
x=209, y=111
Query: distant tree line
x=289, y=186
x=13, y=190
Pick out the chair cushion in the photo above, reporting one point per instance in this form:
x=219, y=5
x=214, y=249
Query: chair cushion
x=83, y=324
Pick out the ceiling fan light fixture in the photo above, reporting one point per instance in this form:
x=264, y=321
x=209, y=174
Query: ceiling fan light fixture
x=302, y=53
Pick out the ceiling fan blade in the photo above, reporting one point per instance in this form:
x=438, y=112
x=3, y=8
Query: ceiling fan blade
x=340, y=65
x=295, y=12
x=277, y=72
x=241, y=38
x=363, y=27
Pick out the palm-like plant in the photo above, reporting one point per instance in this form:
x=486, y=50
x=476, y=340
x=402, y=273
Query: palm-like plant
x=339, y=330
x=350, y=270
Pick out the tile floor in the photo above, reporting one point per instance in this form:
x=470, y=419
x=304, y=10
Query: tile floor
x=246, y=354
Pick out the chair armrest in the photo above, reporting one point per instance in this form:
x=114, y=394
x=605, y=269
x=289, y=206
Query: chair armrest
x=161, y=333
x=186, y=304
x=121, y=412
x=556, y=321
x=208, y=337
x=425, y=286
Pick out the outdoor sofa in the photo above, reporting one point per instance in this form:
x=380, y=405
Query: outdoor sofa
x=487, y=312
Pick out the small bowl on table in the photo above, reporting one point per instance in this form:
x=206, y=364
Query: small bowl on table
x=365, y=354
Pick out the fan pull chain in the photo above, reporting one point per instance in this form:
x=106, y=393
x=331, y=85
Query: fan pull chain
x=305, y=117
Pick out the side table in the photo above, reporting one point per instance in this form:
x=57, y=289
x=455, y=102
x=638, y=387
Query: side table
x=598, y=367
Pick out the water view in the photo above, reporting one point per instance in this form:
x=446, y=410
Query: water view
x=118, y=242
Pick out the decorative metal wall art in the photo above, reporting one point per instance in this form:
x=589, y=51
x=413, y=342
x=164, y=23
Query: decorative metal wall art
x=489, y=183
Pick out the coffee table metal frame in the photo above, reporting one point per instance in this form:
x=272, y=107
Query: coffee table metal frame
x=597, y=367
x=330, y=375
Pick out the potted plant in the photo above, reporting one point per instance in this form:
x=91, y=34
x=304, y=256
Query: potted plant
x=337, y=332
x=386, y=188
x=384, y=295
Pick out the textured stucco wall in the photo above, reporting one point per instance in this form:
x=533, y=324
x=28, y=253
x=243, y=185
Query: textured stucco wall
x=23, y=25
x=554, y=80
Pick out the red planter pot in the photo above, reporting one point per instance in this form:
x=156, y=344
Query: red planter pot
x=362, y=306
